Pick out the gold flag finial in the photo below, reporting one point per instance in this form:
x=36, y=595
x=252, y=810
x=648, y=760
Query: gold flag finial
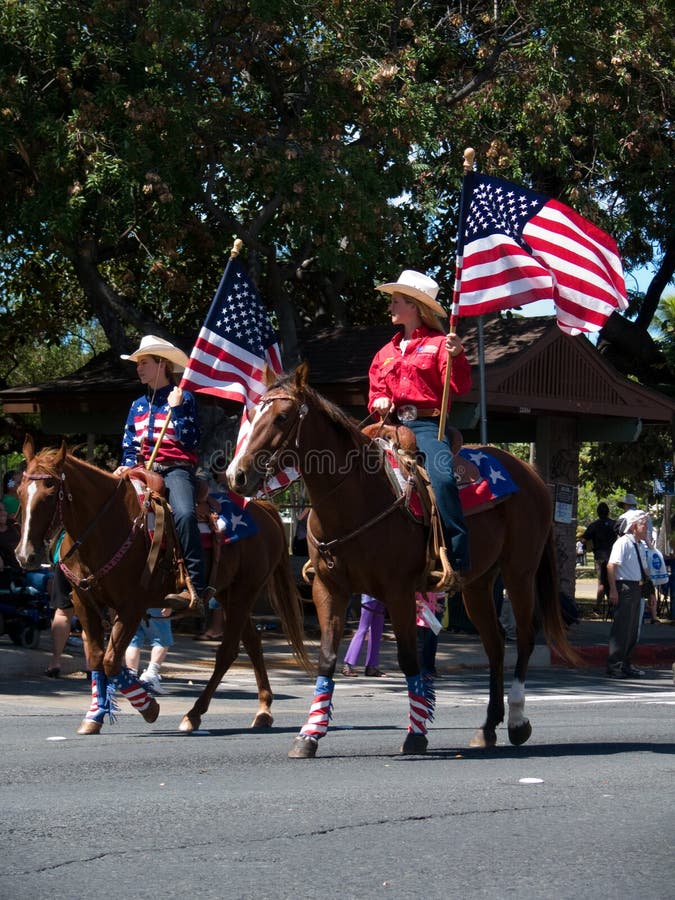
x=236, y=248
x=469, y=157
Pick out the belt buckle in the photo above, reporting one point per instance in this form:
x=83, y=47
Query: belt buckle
x=407, y=413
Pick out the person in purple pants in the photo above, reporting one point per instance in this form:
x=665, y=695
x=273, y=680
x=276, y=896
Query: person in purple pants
x=371, y=624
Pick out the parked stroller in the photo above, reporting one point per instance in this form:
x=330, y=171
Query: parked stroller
x=24, y=605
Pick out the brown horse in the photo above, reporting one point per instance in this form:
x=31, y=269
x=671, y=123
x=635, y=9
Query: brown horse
x=361, y=540
x=106, y=553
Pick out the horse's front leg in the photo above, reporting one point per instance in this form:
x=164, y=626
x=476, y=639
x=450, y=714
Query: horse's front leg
x=421, y=693
x=119, y=675
x=101, y=695
x=331, y=606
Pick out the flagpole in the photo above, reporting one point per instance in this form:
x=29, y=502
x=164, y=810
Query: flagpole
x=467, y=166
x=234, y=253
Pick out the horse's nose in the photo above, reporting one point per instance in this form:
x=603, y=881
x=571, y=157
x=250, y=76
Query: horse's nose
x=239, y=478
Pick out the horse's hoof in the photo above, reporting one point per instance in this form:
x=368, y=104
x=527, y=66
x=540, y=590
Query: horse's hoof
x=483, y=739
x=519, y=734
x=414, y=744
x=303, y=748
x=151, y=712
x=189, y=725
x=88, y=726
x=262, y=720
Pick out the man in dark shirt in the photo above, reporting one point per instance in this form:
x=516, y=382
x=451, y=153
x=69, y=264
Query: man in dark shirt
x=600, y=535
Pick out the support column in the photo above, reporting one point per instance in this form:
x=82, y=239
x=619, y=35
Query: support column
x=557, y=461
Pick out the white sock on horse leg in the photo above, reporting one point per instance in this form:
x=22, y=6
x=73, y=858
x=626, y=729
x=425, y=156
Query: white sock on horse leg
x=516, y=704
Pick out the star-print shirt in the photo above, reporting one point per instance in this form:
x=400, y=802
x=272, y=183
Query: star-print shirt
x=144, y=425
x=416, y=373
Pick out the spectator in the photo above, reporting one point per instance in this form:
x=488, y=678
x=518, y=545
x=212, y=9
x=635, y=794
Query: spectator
x=628, y=503
x=430, y=608
x=155, y=629
x=371, y=625
x=10, y=499
x=601, y=536
x=9, y=539
x=62, y=621
x=625, y=568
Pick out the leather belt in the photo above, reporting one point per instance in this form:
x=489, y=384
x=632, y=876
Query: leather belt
x=162, y=470
x=428, y=413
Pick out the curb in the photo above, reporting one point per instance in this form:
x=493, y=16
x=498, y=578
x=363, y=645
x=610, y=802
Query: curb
x=644, y=654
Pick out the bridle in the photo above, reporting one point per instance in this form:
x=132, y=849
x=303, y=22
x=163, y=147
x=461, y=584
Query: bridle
x=57, y=523
x=272, y=465
x=325, y=548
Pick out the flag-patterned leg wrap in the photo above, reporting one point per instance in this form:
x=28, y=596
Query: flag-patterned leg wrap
x=102, y=699
x=422, y=698
x=321, y=709
x=132, y=689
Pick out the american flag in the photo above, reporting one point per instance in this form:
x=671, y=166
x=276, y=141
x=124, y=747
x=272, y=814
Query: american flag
x=518, y=246
x=233, y=346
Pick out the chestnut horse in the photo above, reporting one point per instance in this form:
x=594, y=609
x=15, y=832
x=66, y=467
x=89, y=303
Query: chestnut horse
x=104, y=555
x=361, y=540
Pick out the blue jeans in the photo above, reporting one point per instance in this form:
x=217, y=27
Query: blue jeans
x=157, y=631
x=438, y=463
x=181, y=487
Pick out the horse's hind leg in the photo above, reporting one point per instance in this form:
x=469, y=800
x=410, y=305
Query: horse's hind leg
x=521, y=595
x=252, y=642
x=225, y=656
x=478, y=598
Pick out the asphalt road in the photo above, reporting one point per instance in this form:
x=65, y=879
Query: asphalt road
x=584, y=810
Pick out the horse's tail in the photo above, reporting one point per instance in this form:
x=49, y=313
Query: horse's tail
x=548, y=605
x=284, y=596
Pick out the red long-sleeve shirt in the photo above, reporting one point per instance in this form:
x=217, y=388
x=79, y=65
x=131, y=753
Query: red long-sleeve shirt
x=418, y=374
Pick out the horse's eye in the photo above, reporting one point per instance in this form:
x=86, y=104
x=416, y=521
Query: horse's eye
x=281, y=418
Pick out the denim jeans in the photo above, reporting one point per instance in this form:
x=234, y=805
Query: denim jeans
x=437, y=460
x=181, y=486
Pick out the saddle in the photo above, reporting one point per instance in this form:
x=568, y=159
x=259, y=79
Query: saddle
x=400, y=441
x=165, y=557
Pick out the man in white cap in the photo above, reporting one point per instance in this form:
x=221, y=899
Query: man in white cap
x=176, y=459
x=626, y=572
x=406, y=381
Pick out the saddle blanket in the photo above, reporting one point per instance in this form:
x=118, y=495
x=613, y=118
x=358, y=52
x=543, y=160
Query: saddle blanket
x=233, y=522
x=494, y=484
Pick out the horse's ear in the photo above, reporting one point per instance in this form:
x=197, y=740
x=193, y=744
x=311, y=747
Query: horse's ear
x=61, y=455
x=269, y=376
x=300, y=376
x=28, y=447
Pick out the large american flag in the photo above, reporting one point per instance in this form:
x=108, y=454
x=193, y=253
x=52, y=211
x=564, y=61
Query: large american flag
x=235, y=343
x=518, y=246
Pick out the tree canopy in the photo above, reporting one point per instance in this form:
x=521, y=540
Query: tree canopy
x=138, y=139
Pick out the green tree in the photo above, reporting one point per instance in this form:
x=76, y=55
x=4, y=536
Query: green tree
x=136, y=143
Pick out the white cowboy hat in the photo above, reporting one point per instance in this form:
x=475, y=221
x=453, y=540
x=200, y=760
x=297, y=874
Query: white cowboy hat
x=151, y=345
x=418, y=286
x=628, y=500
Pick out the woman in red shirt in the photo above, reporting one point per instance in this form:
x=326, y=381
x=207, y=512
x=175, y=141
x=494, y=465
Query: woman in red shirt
x=406, y=380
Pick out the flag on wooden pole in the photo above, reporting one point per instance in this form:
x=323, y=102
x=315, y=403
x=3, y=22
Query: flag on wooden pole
x=235, y=343
x=517, y=246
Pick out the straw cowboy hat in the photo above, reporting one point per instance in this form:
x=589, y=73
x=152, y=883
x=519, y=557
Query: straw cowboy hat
x=628, y=500
x=419, y=287
x=151, y=345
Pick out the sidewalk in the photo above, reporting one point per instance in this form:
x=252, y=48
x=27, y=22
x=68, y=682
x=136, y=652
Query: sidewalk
x=455, y=652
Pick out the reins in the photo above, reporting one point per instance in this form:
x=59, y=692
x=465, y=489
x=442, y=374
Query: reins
x=324, y=548
x=86, y=583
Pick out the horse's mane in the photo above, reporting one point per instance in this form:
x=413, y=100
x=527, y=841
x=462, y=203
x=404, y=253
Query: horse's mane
x=337, y=416
x=46, y=459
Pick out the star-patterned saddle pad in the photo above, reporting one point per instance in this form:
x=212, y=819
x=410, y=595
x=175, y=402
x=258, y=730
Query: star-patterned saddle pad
x=494, y=482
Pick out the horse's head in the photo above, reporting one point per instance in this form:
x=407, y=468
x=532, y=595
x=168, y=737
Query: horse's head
x=271, y=443
x=38, y=494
